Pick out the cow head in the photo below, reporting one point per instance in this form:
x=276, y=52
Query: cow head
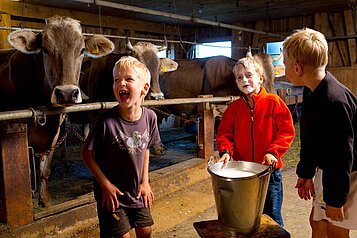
x=63, y=47
x=146, y=53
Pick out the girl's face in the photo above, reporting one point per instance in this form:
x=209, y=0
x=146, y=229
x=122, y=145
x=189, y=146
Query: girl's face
x=129, y=89
x=247, y=79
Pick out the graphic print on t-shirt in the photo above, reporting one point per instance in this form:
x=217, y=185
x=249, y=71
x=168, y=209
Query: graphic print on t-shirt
x=135, y=142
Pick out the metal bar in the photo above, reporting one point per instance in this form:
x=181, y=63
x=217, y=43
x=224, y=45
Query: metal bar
x=174, y=16
x=28, y=113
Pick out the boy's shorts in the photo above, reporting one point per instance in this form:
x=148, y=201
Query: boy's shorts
x=350, y=208
x=115, y=224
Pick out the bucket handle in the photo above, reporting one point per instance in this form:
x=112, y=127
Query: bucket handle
x=210, y=161
x=269, y=170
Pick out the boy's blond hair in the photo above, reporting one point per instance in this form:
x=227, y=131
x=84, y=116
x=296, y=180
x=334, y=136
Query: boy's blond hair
x=308, y=47
x=129, y=61
x=250, y=61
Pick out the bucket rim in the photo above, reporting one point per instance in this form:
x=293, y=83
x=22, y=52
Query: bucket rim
x=264, y=172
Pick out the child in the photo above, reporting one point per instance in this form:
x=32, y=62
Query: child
x=117, y=153
x=328, y=136
x=257, y=127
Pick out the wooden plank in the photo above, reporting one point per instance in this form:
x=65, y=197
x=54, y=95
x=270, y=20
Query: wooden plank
x=350, y=30
x=214, y=229
x=338, y=28
x=5, y=21
x=346, y=75
x=15, y=182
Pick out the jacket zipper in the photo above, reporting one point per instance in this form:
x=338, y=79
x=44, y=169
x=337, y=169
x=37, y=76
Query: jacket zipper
x=252, y=124
x=251, y=130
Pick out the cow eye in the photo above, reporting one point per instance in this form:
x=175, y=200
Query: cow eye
x=82, y=51
x=45, y=50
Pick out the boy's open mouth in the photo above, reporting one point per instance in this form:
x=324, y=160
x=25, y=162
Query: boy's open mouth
x=124, y=95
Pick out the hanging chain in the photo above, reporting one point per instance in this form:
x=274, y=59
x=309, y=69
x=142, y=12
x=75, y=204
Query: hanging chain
x=69, y=127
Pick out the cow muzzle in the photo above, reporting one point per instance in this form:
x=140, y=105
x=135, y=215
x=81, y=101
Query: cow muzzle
x=157, y=96
x=66, y=95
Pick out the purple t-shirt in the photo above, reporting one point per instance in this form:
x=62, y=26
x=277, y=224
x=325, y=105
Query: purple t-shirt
x=119, y=148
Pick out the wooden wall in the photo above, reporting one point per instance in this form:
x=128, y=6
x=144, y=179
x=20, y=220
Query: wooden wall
x=335, y=26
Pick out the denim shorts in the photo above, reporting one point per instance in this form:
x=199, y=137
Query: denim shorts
x=274, y=198
x=122, y=220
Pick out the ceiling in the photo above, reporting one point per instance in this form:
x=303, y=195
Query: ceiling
x=223, y=11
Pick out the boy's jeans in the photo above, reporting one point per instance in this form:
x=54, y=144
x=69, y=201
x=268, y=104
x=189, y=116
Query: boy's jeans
x=274, y=198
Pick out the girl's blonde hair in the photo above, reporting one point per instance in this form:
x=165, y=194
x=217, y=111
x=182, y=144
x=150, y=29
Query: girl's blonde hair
x=129, y=61
x=250, y=61
x=308, y=47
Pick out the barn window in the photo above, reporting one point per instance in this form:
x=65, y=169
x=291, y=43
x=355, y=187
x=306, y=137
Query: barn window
x=213, y=49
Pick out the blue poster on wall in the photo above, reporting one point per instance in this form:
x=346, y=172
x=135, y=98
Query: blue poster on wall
x=275, y=49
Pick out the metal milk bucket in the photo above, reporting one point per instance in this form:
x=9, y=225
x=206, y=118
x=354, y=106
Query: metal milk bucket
x=240, y=189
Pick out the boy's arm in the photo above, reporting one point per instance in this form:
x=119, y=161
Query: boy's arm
x=144, y=187
x=109, y=191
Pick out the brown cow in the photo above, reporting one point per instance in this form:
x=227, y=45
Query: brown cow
x=212, y=75
x=43, y=70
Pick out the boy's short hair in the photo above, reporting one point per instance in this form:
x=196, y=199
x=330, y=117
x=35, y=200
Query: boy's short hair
x=249, y=61
x=129, y=61
x=308, y=47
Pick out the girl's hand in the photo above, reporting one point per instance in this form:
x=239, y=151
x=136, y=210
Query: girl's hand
x=225, y=158
x=270, y=159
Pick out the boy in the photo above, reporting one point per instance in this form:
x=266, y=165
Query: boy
x=117, y=153
x=328, y=136
x=257, y=127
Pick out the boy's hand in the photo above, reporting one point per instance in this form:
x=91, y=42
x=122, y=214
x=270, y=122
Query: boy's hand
x=305, y=188
x=270, y=159
x=147, y=194
x=225, y=158
x=335, y=213
x=109, y=196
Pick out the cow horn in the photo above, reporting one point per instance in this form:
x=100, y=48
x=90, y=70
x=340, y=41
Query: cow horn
x=249, y=53
x=128, y=45
x=163, y=47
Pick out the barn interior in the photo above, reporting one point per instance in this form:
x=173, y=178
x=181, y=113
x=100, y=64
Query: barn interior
x=183, y=25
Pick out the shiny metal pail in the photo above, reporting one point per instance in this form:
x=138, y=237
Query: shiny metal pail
x=240, y=189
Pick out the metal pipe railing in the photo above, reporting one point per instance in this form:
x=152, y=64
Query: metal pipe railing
x=31, y=112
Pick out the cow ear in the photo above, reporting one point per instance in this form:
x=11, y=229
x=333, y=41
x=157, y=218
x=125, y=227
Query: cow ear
x=98, y=46
x=167, y=65
x=25, y=41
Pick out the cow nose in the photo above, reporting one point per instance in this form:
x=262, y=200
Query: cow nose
x=64, y=95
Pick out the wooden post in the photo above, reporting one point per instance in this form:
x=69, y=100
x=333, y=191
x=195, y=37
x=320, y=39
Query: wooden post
x=15, y=182
x=205, y=137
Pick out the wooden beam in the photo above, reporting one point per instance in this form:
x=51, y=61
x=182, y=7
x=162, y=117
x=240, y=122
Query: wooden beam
x=351, y=25
x=338, y=28
x=205, y=142
x=15, y=183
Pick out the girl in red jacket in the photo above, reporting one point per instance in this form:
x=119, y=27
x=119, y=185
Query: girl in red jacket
x=257, y=127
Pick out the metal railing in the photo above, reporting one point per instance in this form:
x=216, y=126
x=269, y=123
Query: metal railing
x=34, y=112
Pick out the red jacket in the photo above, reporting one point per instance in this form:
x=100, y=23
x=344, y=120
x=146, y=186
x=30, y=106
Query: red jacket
x=250, y=133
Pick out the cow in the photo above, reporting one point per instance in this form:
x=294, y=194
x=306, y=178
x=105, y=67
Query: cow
x=97, y=76
x=42, y=70
x=202, y=76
